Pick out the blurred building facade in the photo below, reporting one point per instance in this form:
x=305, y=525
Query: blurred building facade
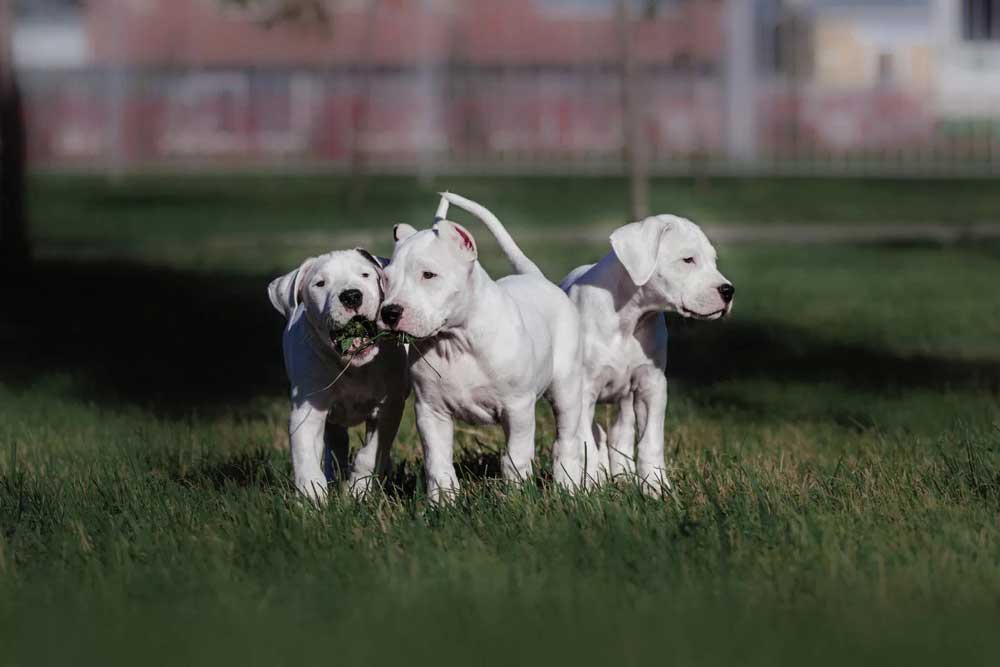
x=881, y=86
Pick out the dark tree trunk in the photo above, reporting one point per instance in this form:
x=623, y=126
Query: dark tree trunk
x=14, y=248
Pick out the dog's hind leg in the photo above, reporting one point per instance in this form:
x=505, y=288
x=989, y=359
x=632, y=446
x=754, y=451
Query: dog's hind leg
x=373, y=459
x=336, y=444
x=519, y=425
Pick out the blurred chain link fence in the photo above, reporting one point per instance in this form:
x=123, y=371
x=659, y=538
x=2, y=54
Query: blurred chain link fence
x=429, y=86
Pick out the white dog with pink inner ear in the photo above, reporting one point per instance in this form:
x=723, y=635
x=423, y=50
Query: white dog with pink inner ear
x=485, y=350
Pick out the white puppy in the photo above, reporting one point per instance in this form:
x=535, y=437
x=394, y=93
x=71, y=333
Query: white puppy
x=336, y=385
x=664, y=263
x=488, y=350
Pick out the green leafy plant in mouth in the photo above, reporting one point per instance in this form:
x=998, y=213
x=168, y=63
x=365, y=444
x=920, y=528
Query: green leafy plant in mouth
x=365, y=330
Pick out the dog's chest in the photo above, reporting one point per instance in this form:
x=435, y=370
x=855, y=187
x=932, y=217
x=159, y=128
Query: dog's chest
x=610, y=366
x=353, y=407
x=461, y=387
x=476, y=405
x=359, y=396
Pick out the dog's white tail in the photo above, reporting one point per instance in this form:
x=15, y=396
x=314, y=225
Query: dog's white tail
x=514, y=254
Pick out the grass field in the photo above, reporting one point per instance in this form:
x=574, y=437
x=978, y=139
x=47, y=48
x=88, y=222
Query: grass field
x=836, y=447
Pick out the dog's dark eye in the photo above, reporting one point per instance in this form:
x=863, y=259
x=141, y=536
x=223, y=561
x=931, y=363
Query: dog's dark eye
x=365, y=275
x=428, y=275
x=321, y=283
x=689, y=260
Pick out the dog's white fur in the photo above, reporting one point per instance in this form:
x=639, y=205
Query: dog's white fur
x=489, y=349
x=332, y=391
x=663, y=263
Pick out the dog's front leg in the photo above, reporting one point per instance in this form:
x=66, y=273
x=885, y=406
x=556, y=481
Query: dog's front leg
x=437, y=433
x=621, y=445
x=305, y=428
x=650, y=407
x=372, y=461
x=593, y=448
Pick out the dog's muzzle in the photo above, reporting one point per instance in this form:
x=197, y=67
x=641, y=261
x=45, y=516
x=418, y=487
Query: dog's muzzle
x=391, y=314
x=351, y=298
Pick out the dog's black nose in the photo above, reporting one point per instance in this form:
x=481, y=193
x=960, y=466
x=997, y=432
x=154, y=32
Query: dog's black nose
x=351, y=298
x=391, y=314
x=726, y=292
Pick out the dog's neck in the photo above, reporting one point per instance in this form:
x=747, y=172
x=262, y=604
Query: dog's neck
x=633, y=302
x=470, y=325
x=319, y=348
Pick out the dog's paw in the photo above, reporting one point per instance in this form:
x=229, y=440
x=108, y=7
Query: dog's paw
x=312, y=488
x=360, y=485
x=573, y=475
x=442, y=488
x=654, y=481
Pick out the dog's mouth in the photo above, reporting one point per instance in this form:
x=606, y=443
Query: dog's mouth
x=404, y=336
x=356, y=338
x=714, y=315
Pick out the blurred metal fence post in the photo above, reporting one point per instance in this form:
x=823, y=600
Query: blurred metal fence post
x=740, y=84
x=634, y=150
x=427, y=83
x=117, y=97
x=362, y=107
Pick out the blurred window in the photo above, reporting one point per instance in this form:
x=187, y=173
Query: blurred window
x=282, y=108
x=607, y=8
x=785, y=44
x=981, y=20
x=207, y=113
x=47, y=11
x=273, y=103
x=886, y=69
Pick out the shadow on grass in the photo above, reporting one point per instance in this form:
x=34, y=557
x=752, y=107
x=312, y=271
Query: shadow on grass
x=267, y=469
x=185, y=342
x=172, y=341
x=707, y=352
x=252, y=469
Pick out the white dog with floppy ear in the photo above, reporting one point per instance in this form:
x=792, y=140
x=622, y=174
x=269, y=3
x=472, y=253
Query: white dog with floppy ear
x=661, y=264
x=338, y=378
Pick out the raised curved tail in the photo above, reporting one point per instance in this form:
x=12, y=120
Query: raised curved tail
x=518, y=260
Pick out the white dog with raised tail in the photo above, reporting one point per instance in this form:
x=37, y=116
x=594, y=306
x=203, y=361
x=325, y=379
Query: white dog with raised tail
x=340, y=376
x=661, y=264
x=485, y=351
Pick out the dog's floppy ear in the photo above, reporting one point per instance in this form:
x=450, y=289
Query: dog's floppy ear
x=402, y=231
x=459, y=237
x=285, y=292
x=637, y=246
x=380, y=263
x=377, y=261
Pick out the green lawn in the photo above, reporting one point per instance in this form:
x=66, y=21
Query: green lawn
x=836, y=443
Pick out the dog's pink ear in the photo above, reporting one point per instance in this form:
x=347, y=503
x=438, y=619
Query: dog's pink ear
x=286, y=292
x=459, y=237
x=637, y=246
